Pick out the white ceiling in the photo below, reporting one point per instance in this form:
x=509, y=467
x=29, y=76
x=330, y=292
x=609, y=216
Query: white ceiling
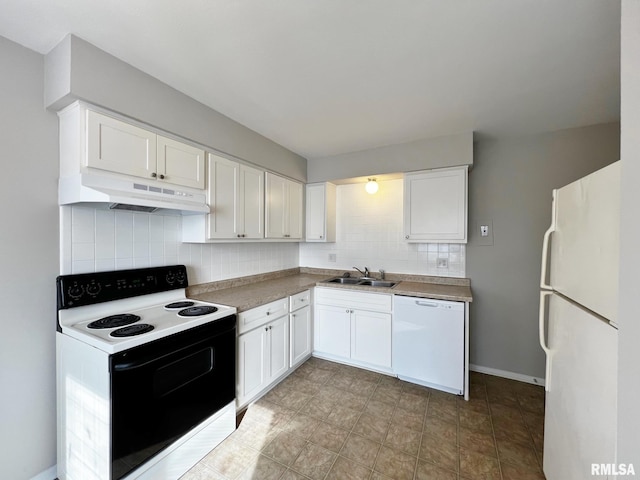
x=324, y=77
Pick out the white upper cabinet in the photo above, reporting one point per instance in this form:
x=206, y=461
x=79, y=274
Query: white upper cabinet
x=283, y=218
x=119, y=147
x=321, y=212
x=116, y=146
x=236, y=199
x=435, y=205
x=180, y=163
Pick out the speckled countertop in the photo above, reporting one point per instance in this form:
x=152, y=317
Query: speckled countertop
x=249, y=292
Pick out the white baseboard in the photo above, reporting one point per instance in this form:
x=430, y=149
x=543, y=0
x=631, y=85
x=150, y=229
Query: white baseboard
x=506, y=374
x=49, y=474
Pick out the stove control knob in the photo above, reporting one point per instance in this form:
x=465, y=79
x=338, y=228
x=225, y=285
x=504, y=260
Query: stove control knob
x=75, y=291
x=180, y=277
x=94, y=289
x=171, y=278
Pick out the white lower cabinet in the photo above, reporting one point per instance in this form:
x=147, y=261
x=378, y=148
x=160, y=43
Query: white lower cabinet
x=300, y=331
x=300, y=327
x=252, y=364
x=278, y=348
x=332, y=330
x=273, y=339
x=263, y=356
x=354, y=327
x=371, y=337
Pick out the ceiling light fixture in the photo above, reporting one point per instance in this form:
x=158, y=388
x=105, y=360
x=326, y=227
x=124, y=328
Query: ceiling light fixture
x=372, y=186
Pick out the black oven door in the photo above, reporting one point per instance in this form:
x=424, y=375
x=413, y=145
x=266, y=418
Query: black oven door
x=162, y=389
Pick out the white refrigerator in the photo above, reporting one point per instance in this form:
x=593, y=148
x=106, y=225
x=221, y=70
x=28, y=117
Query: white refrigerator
x=578, y=332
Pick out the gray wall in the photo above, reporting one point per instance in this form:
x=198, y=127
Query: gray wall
x=629, y=332
x=29, y=265
x=510, y=185
x=75, y=69
x=447, y=151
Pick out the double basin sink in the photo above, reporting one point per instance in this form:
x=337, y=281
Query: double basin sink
x=365, y=282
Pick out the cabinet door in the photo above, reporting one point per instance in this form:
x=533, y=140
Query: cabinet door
x=294, y=210
x=119, y=147
x=180, y=163
x=371, y=337
x=321, y=213
x=283, y=208
x=315, y=220
x=251, y=202
x=332, y=330
x=275, y=209
x=435, y=205
x=278, y=347
x=252, y=363
x=300, y=329
x=222, y=197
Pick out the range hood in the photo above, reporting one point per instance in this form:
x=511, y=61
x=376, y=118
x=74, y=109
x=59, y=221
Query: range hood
x=128, y=194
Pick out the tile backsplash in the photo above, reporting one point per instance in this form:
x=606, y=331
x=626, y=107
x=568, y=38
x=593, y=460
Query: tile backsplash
x=369, y=232
x=94, y=239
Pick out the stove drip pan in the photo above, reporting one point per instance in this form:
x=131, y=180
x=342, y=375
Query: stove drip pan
x=132, y=330
x=113, y=321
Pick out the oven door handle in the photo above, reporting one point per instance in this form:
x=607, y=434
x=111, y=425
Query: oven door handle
x=123, y=366
x=127, y=366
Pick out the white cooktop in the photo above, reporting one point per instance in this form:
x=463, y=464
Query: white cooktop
x=151, y=310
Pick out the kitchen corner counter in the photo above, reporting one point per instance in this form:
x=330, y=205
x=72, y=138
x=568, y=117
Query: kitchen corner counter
x=249, y=295
x=248, y=292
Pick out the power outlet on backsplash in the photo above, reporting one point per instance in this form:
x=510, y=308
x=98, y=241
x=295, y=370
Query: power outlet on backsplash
x=332, y=257
x=443, y=263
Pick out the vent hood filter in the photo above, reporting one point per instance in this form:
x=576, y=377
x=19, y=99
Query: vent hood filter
x=131, y=208
x=126, y=194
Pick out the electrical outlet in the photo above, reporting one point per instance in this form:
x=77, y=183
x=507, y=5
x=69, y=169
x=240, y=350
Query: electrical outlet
x=443, y=263
x=332, y=257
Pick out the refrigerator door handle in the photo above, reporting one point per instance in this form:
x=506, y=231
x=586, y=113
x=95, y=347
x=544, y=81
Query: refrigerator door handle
x=545, y=245
x=543, y=342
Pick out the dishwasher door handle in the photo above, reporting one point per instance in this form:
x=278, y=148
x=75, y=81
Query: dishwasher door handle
x=426, y=304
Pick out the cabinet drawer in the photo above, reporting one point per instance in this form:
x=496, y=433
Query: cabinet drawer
x=299, y=300
x=260, y=315
x=353, y=299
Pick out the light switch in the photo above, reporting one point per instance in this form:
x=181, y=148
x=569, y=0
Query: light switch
x=484, y=230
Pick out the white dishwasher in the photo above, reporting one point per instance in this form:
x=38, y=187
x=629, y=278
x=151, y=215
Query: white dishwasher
x=428, y=342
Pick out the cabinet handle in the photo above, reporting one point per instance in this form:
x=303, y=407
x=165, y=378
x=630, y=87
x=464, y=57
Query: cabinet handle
x=154, y=174
x=266, y=329
x=293, y=315
x=320, y=236
x=161, y=177
x=270, y=327
x=407, y=237
x=268, y=313
x=347, y=310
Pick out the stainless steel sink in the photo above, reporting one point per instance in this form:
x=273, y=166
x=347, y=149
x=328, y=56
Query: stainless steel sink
x=377, y=283
x=344, y=280
x=359, y=281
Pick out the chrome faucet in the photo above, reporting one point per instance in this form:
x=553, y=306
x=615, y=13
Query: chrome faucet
x=364, y=274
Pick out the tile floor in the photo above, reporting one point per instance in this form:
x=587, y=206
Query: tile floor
x=331, y=421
